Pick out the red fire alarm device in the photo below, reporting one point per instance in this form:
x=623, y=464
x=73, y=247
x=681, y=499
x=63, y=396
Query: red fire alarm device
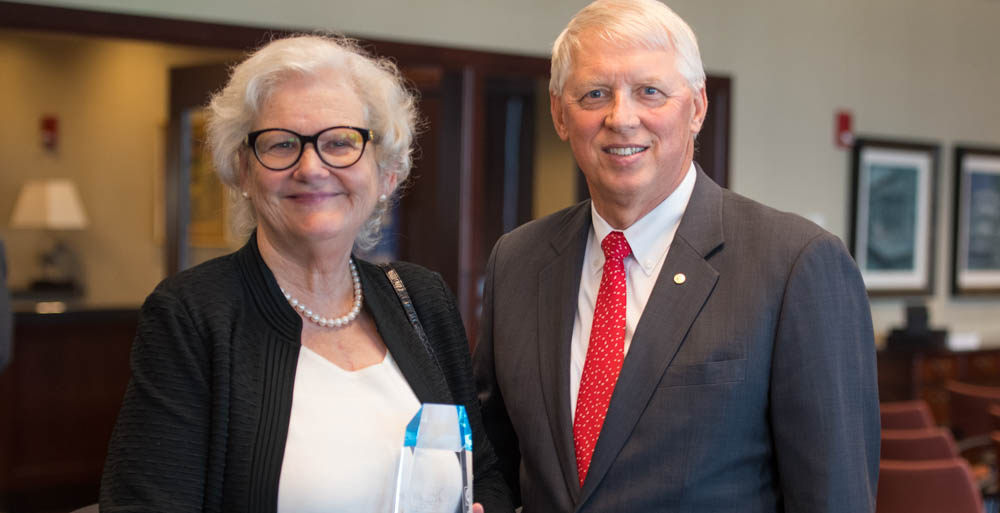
x=50, y=133
x=843, y=136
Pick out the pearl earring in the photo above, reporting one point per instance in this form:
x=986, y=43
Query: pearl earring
x=244, y=194
x=382, y=198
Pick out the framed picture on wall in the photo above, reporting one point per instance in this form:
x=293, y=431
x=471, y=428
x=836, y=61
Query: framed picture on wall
x=892, y=225
x=976, y=235
x=208, y=215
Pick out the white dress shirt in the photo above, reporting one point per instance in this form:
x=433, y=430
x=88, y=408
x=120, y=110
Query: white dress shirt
x=650, y=239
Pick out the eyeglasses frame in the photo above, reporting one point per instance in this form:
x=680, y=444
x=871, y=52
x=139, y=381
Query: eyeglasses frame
x=367, y=135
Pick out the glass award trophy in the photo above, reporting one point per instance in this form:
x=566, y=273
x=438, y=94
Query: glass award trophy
x=435, y=468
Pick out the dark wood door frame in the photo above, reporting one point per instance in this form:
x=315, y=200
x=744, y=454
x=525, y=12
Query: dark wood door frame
x=190, y=89
x=712, y=145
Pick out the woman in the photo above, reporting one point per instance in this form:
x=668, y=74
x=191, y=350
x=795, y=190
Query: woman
x=243, y=398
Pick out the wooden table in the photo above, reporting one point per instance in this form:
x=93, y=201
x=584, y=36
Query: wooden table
x=922, y=374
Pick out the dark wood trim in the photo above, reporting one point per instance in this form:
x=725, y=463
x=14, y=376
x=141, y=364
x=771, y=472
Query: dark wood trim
x=470, y=197
x=77, y=317
x=14, y=15
x=485, y=63
x=712, y=146
x=105, y=24
x=582, y=189
x=508, y=156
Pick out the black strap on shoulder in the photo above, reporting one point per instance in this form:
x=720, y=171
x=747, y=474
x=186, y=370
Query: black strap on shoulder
x=411, y=313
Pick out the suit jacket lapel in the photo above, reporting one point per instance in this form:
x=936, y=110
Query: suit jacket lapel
x=668, y=315
x=558, y=288
x=407, y=350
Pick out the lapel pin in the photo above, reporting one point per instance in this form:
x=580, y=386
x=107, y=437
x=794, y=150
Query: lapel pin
x=679, y=278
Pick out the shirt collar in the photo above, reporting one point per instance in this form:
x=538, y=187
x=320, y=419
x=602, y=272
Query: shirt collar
x=651, y=235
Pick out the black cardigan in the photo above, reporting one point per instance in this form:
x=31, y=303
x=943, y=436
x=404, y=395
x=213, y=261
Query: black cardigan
x=205, y=416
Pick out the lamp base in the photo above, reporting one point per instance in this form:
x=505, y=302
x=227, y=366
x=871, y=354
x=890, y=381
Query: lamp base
x=56, y=287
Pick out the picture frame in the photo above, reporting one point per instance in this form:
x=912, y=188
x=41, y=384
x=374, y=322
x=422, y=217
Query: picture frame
x=976, y=221
x=893, y=215
x=208, y=208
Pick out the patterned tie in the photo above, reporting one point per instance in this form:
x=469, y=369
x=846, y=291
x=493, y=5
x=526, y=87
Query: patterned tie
x=605, y=352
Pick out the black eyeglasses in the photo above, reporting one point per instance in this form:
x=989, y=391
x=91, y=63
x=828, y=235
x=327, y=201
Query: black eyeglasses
x=279, y=149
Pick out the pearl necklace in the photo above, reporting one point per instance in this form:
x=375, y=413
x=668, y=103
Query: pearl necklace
x=338, y=322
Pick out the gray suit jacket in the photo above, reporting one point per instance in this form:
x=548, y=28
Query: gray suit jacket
x=749, y=387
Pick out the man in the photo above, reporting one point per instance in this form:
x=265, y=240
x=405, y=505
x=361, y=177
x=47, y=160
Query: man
x=6, y=323
x=669, y=345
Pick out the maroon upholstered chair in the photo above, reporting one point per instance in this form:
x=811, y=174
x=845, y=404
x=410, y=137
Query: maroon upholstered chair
x=995, y=415
x=970, y=409
x=906, y=415
x=930, y=486
x=918, y=444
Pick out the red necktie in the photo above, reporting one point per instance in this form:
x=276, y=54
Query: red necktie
x=605, y=352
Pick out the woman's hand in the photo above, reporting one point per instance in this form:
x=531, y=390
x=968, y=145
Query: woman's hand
x=477, y=508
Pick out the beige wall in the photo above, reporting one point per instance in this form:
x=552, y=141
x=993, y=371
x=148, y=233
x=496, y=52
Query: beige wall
x=905, y=68
x=110, y=97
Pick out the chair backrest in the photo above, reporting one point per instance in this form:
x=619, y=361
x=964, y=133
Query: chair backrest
x=906, y=415
x=929, y=486
x=969, y=405
x=995, y=415
x=918, y=444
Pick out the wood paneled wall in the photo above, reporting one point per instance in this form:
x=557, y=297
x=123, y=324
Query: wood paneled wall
x=59, y=400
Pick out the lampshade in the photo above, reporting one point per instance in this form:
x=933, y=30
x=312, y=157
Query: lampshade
x=51, y=203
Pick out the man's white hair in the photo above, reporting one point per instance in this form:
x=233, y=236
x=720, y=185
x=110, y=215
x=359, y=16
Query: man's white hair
x=628, y=23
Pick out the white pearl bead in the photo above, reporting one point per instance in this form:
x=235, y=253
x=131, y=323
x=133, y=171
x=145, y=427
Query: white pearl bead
x=338, y=322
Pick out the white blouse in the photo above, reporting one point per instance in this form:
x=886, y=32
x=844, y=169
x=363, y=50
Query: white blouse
x=345, y=435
